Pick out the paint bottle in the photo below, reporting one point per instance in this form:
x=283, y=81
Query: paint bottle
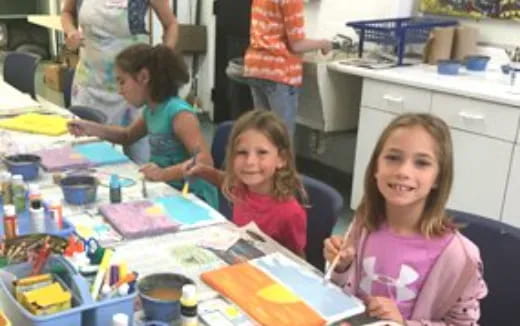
x=56, y=212
x=120, y=319
x=7, y=195
x=18, y=192
x=115, y=189
x=37, y=214
x=189, y=316
x=10, y=222
x=34, y=193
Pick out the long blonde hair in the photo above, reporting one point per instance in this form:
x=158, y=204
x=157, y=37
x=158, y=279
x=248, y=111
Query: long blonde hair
x=434, y=221
x=286, y=182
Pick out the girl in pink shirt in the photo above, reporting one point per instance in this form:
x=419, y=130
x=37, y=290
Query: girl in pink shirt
x=403, y=255
x=261, y=180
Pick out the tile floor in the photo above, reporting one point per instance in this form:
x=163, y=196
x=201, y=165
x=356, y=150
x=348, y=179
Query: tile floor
x=208, y=128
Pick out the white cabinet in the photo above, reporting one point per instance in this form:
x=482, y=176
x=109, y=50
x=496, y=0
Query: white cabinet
x=480, y=173
x=511, y=213
x=371, y=124
x=483, y=140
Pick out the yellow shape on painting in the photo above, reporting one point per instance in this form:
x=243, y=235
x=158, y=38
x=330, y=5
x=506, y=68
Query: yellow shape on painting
x=154, y=210
x=278, y=293
x=53, y=125
x=75, y=156
x=84, y=231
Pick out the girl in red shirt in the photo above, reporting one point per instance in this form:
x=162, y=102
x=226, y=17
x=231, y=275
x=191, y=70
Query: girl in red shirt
x=261, y=180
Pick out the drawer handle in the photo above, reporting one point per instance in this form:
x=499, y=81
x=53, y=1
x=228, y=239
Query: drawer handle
x=394, y=99
x=471, y=116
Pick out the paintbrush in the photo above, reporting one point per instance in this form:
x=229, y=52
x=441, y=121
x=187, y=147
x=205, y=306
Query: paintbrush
x=335, y=261
x=144, y=192
x=186, y=187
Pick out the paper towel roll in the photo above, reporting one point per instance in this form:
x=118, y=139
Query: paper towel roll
x=464, y=42
x=439, y=45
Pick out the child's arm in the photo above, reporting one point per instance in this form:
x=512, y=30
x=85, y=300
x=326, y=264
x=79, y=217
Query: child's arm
x=186, y=127
x=73, y=36
x=307, y=45
x=168, y=21
x=206, y=172
x=112, y=133
x=293, y=13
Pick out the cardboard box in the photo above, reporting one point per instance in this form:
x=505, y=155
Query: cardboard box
x=68, y=57
x=53, y=76
x=192, y=39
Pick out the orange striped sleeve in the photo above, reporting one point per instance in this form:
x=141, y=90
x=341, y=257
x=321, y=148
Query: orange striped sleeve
x=294, y=21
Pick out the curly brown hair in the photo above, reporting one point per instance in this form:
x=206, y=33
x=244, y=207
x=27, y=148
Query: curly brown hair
x=167, y=69
x=434, y=220
x=287, y=182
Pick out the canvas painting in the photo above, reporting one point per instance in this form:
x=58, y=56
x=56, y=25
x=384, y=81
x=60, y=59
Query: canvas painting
x=503, y=9
x=276, y=291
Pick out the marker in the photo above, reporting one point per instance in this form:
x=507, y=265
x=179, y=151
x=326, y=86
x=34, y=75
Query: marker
x=103, y=267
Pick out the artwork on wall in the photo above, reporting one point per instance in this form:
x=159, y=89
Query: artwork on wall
x=503, y=9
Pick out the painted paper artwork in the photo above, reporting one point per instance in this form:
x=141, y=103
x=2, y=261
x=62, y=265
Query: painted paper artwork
x=80, y=156
x=276, y=291
x=504, y=9
x=138, y=219
x=158, y=215
x=56, y=159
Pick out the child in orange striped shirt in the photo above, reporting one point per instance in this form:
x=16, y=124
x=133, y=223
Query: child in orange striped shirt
x=272, y=61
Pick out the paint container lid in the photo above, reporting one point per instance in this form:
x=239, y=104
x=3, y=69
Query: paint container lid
x=120, y=319
x=9, y=210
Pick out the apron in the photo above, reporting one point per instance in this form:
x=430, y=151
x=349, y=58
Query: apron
x=106, y=27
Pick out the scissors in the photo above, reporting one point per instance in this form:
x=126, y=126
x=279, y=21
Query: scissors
x=93, y=249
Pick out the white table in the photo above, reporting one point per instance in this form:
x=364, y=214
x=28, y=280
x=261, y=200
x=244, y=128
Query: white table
x=13, y=101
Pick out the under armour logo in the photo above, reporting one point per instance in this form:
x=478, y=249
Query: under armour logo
x=407, y=275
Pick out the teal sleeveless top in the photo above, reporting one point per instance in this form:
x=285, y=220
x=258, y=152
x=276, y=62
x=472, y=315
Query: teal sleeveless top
x=166, y=148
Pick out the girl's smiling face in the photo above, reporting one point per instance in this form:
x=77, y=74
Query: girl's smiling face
x=256, y=160
x=134, y=90
x=407, y=167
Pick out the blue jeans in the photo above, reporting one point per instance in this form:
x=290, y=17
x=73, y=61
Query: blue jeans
x=280, y=98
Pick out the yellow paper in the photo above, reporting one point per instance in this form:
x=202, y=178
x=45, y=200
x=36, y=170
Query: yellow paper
x=53, y=125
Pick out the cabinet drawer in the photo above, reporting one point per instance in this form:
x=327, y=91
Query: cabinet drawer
x=484, y=118
x=394, y=97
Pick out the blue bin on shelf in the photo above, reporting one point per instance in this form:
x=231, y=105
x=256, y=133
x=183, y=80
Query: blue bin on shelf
x=397, y=32
x=18, y=315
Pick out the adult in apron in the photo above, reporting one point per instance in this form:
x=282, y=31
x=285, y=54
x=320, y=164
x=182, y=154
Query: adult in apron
x=106, y=27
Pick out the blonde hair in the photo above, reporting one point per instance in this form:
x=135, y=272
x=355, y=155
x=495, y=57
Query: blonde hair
x=434, y=221
x=286, y=181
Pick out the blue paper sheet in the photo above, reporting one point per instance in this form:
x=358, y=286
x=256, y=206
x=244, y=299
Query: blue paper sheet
x=184, y=210
x=101, y=153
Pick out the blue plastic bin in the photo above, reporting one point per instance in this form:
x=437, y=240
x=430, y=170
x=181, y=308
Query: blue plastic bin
x=100, y=313
x=397, y=32
x=85, y=311
x=19, y=316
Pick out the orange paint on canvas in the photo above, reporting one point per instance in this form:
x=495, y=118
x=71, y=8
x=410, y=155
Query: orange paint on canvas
x=254, y=292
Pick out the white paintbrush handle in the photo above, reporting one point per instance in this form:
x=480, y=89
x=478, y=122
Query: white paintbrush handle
x=335, y=261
